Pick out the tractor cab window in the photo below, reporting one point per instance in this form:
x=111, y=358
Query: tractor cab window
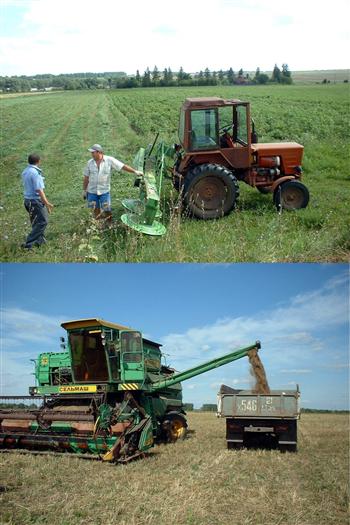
x=182, y=126
x=204, y=129
x=226, y=127
x=242, y=127
x=131, y=346
x=88, y=357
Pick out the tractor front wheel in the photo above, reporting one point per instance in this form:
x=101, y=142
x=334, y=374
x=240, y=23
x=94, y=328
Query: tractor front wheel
x=291, y=195
x=210, y=191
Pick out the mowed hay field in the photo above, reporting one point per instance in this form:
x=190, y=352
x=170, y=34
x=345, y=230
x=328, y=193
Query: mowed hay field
x=194, y=482
x=61, y=126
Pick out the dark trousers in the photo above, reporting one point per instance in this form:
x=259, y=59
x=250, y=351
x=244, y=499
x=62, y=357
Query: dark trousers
x=39, y=219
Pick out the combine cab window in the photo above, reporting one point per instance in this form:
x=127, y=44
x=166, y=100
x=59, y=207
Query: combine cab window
x=242, y=131
x=131, y=345
x=204, y=129
x=88, y=357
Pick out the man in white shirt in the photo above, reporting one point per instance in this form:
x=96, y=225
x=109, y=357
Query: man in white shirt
x=97, y=181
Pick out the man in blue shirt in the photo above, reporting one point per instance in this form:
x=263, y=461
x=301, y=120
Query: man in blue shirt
x=35, y=202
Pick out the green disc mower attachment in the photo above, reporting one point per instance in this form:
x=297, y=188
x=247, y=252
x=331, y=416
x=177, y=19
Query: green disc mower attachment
x=144, y=212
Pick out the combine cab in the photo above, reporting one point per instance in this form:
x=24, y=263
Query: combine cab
x=108, y=396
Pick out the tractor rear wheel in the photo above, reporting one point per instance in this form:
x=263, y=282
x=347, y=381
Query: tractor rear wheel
x=210, y=191
x=263, y=189
x=291, y=195
x=174, y=427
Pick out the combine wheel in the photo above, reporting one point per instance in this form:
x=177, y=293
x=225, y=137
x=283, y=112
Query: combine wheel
x=174, y=427
x=291, y=195
x=210, y=191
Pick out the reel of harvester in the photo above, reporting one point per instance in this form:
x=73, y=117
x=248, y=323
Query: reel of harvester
x=143, y=212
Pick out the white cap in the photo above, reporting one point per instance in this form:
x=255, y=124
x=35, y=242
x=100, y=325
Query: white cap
x=96, y=147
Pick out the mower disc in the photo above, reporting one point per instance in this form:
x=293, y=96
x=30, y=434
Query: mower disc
x=133, y=221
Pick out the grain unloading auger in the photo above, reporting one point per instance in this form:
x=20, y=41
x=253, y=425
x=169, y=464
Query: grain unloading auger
x=106, y=396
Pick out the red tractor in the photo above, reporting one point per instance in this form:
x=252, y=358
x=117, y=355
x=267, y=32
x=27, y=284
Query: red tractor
x=218, y=147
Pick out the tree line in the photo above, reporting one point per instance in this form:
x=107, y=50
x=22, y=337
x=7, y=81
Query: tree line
x=154, y=78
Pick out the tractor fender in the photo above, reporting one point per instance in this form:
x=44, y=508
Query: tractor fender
x=280, y=181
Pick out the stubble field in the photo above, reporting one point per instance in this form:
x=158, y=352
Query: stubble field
x=194, y=482
x=61, y=126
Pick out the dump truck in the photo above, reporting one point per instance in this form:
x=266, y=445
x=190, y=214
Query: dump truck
x=260, y=419
x=107, y=395
x=218, y=148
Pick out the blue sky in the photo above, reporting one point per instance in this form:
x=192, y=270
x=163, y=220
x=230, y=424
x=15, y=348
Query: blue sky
x=40, y=36
x=300, y=312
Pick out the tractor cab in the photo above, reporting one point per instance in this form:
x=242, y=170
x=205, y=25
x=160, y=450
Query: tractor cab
x=218, y=147
x=213, y=123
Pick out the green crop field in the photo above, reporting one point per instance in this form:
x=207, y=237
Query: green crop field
x=61, y=126
x=193, y=482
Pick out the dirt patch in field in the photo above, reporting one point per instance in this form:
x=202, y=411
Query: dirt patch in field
x=257, y=370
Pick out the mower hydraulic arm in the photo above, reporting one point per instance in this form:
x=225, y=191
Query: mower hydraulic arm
x=205, y=367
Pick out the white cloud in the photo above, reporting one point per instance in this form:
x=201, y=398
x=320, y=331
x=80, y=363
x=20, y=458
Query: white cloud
x=292, y=331
x=337, y=365
x=237, y=381
x=20, y=326
x=24, y=334
x=66, y=36
x=296, y=371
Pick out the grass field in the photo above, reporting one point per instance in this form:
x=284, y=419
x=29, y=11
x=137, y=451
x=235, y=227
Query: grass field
x=317, y=76
x=61, y=126
x=194, y=482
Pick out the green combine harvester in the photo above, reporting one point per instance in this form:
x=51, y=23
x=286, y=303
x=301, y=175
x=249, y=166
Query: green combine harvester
x=106, y=396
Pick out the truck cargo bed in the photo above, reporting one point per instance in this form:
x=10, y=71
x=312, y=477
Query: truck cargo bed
x=267, y=420
x=246, y=403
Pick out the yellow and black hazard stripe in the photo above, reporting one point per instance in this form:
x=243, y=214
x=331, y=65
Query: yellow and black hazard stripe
x=129, y=386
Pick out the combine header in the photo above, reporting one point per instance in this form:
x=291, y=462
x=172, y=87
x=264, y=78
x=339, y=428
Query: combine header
x=218, y=148
x=108, y=396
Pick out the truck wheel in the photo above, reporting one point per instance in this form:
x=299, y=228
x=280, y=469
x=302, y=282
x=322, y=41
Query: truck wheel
x=210, y=191
x=288, y=448
x=174, y=427
x=291, y=195
x=234, y=446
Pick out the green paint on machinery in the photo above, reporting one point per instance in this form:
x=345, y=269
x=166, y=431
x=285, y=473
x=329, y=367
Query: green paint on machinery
x=107, y=395
x=143, y=212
